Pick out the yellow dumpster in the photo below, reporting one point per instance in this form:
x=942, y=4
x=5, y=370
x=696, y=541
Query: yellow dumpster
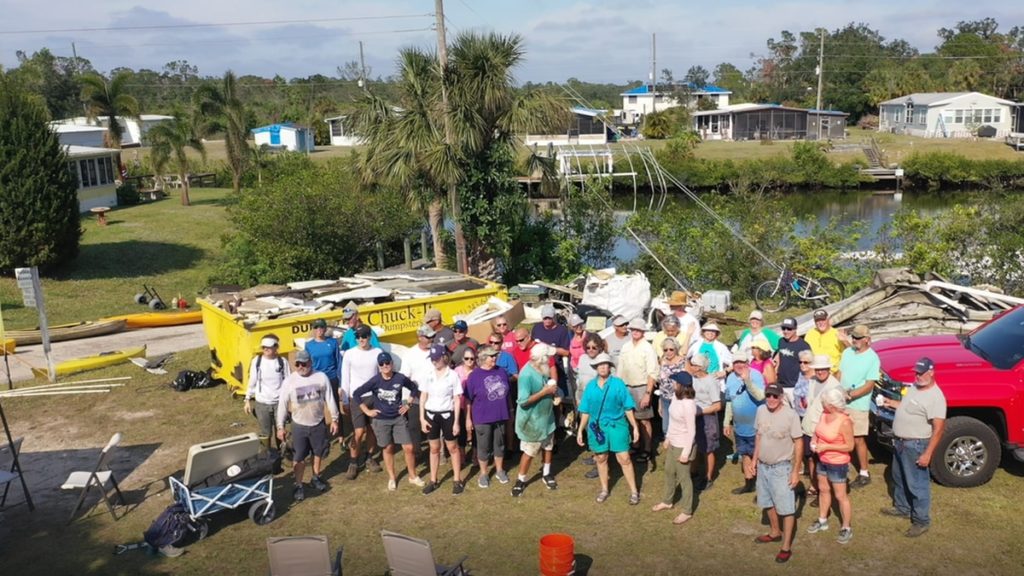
x=234, y=341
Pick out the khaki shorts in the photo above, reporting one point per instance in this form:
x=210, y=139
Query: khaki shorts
x=639, y=393
x=860, y=422
x=531, y=449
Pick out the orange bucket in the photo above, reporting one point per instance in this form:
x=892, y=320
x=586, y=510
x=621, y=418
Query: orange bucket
x=557, y=555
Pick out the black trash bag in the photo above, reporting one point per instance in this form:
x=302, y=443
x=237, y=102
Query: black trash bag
x=169, y=528
x=191, y=380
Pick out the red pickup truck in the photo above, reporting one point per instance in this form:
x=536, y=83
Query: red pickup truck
x=982, y=377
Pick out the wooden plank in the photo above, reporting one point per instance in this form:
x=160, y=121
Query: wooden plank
x=559, y=288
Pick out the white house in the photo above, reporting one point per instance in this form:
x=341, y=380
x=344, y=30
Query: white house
x=134, y=129
x=749, y=121
x=586, y=126
x=289, y=136
x=96, y=170
x=945, y=114
x=77, y=135
x=340, y=136
x=644, y=99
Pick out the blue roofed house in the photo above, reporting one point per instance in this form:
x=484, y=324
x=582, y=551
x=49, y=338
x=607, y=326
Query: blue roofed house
x=288, y=136
x=644, y=99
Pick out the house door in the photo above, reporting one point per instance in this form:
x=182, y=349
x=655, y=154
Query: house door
x=275, y=135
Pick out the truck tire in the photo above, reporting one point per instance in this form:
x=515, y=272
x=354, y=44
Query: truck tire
x=967, y=455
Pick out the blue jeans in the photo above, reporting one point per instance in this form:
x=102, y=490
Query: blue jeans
x=665, y=403
x=913, y=486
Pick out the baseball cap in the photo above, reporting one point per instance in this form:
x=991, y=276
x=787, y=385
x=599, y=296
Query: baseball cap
x=548, y=311
x=302, y=356
x=699, y=360
x=363, y=331
x=384, y=358
x=789, y=323
x=860, y=331
x=820, y=314
x=319, y=323
x=923, y=365
x=432, y=314
x=348, y=312
x=425, y=331
x=437, y=352
x=683, y=378
x=755, y=315
x=575, y=320
x=461, y=326
x=619, y=320
x=488, y=351
x=269, y=342
x=773, y=389
x=740, y=356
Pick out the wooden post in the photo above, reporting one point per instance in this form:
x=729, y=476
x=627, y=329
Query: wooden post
x=407, y=248
x=380, y=256
x=424, y=246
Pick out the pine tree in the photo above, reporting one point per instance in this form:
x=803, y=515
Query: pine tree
x=39, y=219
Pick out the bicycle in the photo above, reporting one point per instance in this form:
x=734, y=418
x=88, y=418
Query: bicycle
x=774, y=295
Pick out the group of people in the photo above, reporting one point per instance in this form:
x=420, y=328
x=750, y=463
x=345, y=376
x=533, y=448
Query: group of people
x=789, y=403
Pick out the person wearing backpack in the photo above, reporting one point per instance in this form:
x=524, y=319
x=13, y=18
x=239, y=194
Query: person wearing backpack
x=267, y=373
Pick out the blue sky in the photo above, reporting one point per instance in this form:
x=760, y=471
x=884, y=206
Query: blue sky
x=597, y=41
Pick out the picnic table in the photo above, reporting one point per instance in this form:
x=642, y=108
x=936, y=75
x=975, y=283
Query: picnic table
x=202, y=179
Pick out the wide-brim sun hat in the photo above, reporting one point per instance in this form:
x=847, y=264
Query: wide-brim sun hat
x=602, y=358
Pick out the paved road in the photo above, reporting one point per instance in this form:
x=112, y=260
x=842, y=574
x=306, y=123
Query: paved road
x=157, y=341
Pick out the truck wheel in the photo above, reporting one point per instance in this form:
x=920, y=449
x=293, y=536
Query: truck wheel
x=967, y=455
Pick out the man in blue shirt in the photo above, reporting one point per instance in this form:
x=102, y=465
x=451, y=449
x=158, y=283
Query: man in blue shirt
x=350, y=316
x=744, y=391
x=326, y=354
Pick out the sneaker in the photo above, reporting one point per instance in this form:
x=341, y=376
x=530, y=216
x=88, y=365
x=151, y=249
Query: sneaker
x=860, y=482
x=483, y=482
x=318, y=483
x=430, y=487
x=895, y=512
x=298, y=494
x=353, y=471
x=374, y=465
x=550, y=482
x=591, y=474
x=916, y=530
x=458, y=487
x=519, y=488
x=602, y=496
x=501, y=476
x=845, y=535
x=818, y=526
x=589, y=461
x=416, y=481
x=634, y=498
x=392, y=485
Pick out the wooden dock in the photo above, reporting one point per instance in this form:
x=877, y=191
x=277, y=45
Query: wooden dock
x=883, y=174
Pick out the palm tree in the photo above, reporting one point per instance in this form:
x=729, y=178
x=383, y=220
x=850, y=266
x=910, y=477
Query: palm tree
x=108, y=100
x=406, y=142
x=228, y=114
x=170, y=142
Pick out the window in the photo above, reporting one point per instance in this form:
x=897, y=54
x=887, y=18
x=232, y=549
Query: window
x=978, y=115
x=103, y=165
x=632, y=99
x=93, y=177
x=108, y=165
x=988, y=115
x=908, y=114
x=997, y=115
x=336, y=128
x=958, y=116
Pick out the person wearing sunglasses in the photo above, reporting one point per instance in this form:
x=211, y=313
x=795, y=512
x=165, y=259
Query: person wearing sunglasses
x=267, y=374
x=503, y=328
x=487, y=391
x=833, y=442
x=461, y=343
x=507, y=362
x=440, y=410
x=350, y=316
x=417, y=366
x=325, y=350
x=360, y=364
x=786, y=359
x=586, y=373
x=388, y=415
x=778, y=448
x=819, y=382
x=859, y=371
x=305, y=394
x=463, y=369
x=669, y=329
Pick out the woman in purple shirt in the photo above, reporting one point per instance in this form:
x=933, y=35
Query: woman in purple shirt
x=487, y=392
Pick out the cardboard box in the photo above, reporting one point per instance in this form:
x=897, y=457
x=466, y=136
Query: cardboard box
x=482, y=328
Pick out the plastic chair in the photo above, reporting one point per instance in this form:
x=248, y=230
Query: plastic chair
x=409, y=556
x=98, y=478
x=302, y=556
x=9, y=476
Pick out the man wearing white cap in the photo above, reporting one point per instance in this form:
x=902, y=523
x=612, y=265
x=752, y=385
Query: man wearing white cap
x=638, y=367
x=718, y=354
x=350, y=316
x=617, y=339
x=756, y=329
x=267, y=373
x=416, y=364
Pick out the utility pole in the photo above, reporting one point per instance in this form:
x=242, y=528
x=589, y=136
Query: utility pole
x=362, y=67
x=821, y=74
x=453, y=191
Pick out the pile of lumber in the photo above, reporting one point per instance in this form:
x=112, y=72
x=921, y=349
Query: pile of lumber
x=900, y=303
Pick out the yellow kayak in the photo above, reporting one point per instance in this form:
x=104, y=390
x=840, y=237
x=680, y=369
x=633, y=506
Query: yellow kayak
x=101, y=360
x=65, y=332
x=158, y=319
x=7, y=346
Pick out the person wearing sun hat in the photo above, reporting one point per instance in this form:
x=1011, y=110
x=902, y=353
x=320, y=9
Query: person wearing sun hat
x=756, y=329
x=639, y=369
x=689, y=324
x=718, y=354
x=267, y=373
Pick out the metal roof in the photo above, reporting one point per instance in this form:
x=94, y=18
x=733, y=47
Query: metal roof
x=938, y=98
x=706, y=89
x=750, y=107
x=75, y=151
x=281, y=126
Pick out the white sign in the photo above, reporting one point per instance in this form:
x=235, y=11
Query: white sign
x=28, y=279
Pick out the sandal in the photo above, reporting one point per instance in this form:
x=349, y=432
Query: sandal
x=768, y=538
x=602, y=496
x=634, y=498
x=783, y=556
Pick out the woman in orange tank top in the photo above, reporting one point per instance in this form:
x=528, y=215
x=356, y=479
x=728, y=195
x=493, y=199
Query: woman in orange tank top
x=833, y=441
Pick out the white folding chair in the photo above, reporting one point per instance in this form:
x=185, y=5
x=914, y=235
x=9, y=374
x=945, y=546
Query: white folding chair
x=7, y=477
x=409, y=556
x=98, y=478
x=302, y=556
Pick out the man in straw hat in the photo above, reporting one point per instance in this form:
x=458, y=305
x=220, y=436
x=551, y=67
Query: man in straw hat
x=689, y=325
x=638, y=367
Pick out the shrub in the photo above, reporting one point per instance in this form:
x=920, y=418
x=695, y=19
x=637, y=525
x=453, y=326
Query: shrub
x=127, y=194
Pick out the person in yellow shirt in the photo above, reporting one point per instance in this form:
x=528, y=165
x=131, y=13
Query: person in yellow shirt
x=826, y=340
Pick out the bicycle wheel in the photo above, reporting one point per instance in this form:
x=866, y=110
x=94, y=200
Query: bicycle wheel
x=829, y=291
x=771, y=296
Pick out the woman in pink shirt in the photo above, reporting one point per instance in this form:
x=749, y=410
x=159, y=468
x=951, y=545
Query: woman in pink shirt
x=833, y=441
x=761, y=359
x=680, y=441
x=463, y=369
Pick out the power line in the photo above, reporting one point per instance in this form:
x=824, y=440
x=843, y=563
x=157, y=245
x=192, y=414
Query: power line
x=213, y=25
x=261, y=39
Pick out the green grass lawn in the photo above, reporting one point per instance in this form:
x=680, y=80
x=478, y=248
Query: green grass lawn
x=161, y=244
x=975, y=531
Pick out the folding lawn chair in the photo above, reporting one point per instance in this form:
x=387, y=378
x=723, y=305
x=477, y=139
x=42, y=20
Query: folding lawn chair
x=409, y=556
x=302, y=556
x=7, y=477
x=97, y=478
